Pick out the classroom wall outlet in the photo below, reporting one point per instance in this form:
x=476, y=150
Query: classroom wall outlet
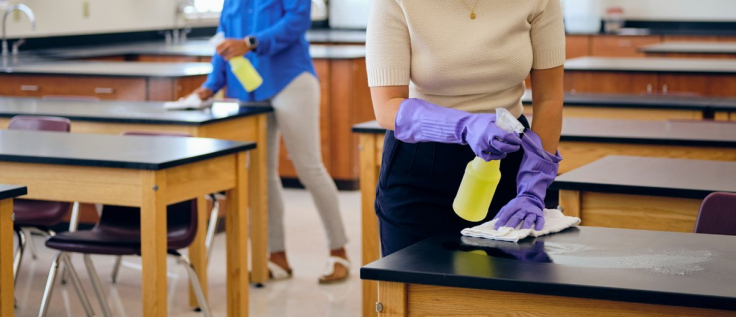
x=85, y=9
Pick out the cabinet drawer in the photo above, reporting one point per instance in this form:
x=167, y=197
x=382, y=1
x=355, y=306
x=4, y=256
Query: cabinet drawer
x=577, y=46
x=621, y=46
x=610, y=82
x=99, y=87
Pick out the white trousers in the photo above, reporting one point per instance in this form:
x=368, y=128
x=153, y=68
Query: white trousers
x=296, y=117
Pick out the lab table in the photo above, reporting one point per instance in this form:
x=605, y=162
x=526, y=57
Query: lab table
x=583, y=141
x=225, y=120
x=691, y=49
x=145, y=172
x=667, y=76
x=638, y=106
x=647, y=193
x=7, y=193
x=581, y=271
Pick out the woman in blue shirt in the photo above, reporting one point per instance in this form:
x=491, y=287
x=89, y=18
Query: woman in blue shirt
x=271, y=34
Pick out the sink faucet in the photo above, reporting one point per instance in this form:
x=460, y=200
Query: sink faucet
x=19, y=7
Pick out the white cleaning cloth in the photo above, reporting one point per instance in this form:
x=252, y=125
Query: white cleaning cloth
x=554, y=221
x=191, y=102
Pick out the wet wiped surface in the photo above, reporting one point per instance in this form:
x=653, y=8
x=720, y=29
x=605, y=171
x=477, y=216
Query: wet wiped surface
x=626, y=265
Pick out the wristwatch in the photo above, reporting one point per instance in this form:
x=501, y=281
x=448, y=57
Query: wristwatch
x=252, y=41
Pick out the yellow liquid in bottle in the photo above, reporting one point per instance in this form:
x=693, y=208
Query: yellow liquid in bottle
x=246, y=73
x=477, y=189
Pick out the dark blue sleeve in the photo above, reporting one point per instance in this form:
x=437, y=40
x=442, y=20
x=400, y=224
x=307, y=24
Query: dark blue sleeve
x=289, y=29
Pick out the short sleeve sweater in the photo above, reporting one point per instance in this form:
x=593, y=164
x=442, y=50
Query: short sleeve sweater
x=448, y=59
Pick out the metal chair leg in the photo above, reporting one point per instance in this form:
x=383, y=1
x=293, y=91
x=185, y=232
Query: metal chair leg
x=116, y=269
x=196, y=286
x=77, y=284
x=212, y=227
x=19, y=253
x=97, y=286
x=32, y=245
x=55, y=263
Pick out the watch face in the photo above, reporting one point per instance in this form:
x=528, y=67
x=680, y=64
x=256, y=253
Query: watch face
x=252, y=41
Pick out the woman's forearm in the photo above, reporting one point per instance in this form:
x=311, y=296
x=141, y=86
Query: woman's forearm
x=547, y=123
x=386, y=103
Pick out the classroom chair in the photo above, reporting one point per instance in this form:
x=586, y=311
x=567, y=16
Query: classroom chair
x=717, y=215
x=36, y=216
x=118, y=233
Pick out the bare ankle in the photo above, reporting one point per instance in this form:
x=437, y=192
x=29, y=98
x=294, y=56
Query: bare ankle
x=339, y=253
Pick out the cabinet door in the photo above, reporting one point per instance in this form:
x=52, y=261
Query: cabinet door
x=621, y=46
x=701, y=85
x=610, y=82
x=577, y=46
x=81, y=86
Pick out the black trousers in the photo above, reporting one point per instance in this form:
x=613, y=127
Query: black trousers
x=418, y=183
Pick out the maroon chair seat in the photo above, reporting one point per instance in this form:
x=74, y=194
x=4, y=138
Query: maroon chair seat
x=39, y=213
x=717, y=215
x=119, y=231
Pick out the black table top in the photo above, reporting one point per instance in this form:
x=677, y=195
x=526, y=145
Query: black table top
x=10, y=191
x=193, y=48
x=651, y=176
x=682, y=133
x=691, y=47
x=113, y=69
x=129, y=111
x=336, y=36
x=655, y=267
x=641, y=101
x=96, y=150
x=652, y=65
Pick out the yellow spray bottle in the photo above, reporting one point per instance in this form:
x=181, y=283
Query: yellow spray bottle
x=241, y=67
x=481, y=178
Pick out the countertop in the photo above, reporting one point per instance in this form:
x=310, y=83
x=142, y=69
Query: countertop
x=691, y=47
x=651, y=176
x=115, y=151
x=192, y=48
x=666, y=268
x=336, y=36
x=113, y=69
x=656, y=65
x=683, y=133
x=10, y=191
x=129, y=111
x=641, y=101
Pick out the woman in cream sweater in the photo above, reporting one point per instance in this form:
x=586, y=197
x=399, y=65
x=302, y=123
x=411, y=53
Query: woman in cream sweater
x=437, y=71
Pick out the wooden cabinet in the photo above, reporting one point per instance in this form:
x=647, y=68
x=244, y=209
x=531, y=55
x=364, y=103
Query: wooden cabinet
x=345, y=101
x=699, y=85
x=102, y=87
x=620, y=46
x=577, y=46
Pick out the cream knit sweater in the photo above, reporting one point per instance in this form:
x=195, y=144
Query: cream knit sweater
x=452, y=61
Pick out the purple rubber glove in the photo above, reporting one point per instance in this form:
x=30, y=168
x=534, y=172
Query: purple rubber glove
x=421, y=121
x=538, y=170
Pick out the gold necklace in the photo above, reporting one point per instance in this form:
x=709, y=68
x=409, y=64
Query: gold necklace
x=472, y=11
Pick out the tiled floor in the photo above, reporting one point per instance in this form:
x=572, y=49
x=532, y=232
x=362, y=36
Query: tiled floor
x=300, y=296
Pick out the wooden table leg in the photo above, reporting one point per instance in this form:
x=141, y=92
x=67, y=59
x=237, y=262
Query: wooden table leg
x=259, y=205
x=369, y=222
x=153, y=242
x=571, y=203
x=392, y=299
x=236, y=222
x=721, y=116
x=6, y=258
x=198, y=250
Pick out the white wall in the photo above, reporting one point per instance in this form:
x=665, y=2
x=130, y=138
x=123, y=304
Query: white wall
x=65, y=17
x=677, y=10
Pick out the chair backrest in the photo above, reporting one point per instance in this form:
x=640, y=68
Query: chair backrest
x=717, y=215
x=181, y=218
x=40, y=123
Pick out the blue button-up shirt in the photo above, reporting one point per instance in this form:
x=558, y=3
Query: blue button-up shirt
x=282, y=53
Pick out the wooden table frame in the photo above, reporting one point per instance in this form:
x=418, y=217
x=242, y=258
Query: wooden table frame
x=400, y=299
x=576, y=155
x=152, y=191
x=6, y=252
x=247, y=129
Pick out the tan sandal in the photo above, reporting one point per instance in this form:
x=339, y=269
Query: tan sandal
x=330, y=269
x=276, y=272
